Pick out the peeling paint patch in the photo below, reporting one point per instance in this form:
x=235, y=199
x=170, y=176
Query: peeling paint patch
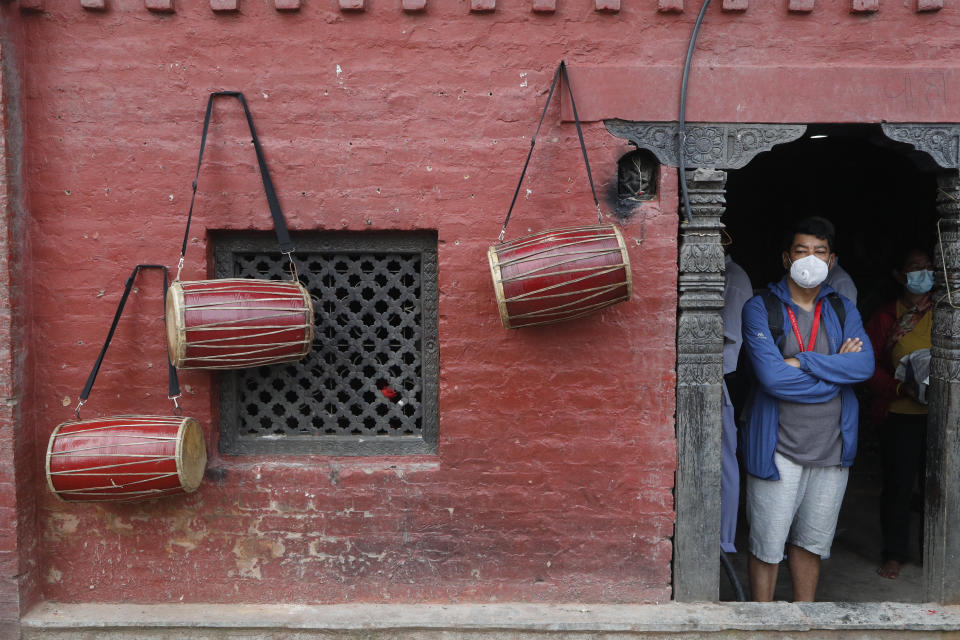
x=250, y=552
x=65, y=523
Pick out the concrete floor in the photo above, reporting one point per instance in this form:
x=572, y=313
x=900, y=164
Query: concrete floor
x=849, y=575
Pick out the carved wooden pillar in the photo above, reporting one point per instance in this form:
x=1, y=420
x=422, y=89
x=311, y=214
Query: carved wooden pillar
x=696, y=539
x=942, y=535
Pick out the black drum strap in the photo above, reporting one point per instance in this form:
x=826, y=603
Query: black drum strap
x=279, y=225
x=174, y=383
x=561, y=71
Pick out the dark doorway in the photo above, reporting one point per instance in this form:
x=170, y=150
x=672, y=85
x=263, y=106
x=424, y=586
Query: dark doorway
x=880, y=194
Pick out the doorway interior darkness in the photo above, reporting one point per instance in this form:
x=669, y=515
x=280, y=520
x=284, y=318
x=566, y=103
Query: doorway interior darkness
x=880, y=195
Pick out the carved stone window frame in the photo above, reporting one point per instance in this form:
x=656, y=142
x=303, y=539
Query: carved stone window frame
x=710, y=149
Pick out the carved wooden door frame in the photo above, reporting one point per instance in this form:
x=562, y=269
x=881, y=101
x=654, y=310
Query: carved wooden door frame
x=710, y=149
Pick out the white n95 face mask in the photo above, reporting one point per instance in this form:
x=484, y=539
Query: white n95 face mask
x=809, y=271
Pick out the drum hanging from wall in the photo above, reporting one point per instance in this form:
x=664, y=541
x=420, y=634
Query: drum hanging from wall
x=560, y=274
x=235, y=323
x=125, y=458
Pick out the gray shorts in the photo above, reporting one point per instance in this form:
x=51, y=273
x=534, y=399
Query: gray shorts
x=801, y=507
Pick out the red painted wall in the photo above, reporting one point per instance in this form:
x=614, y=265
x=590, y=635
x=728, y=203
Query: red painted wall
x=556, y=455
x=555, y=467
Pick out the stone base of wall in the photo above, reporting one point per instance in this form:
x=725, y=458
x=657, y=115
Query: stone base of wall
x=491, y=622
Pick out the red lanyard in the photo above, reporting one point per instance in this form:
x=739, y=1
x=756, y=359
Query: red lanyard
x=813, y=329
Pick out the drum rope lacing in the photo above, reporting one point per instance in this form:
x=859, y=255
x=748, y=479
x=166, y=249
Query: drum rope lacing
x=561, y=70
x=279, y=225
x=174, y=384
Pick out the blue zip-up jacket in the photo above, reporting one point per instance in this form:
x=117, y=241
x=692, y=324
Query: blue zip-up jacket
x=820, y=378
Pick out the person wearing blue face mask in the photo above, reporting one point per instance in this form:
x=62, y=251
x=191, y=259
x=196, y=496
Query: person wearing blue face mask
x=897, y=330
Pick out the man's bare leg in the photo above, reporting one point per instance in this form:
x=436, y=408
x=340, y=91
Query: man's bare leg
x=805, y=572
x=763, y=578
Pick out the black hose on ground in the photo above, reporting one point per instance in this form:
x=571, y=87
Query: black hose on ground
x=732, y=577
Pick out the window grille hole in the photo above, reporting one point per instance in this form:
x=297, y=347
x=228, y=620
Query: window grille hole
x=278, y=409
x=394, y=320
x=368, y=319
x=381, y=306
x=395, y=423
x=330, y=408
x=393, y=266
x=262, y=267
x=340, y=266
x=304, y=411
x=343, y=422
x=370, y=423
x=341, y=293
x=356, y=384
x=356, y=409
x=370, y=397
x=368, y=371
x=408, y=333
x=354, y=280
x=253, y=409
x=292, y=424
x=355, y=306
x=407, y=279
x=292, y=396
x=367, y=293
x=343, y=347
x=343, y=397
x=329, y=332
x=380, y=280
x=265, y=396
x=277, y=384
x=366, y=266
x=382, y=410
x=409, y=358
x=394, y=293
x=409, y=410
x=396, y=371
x=329, y=306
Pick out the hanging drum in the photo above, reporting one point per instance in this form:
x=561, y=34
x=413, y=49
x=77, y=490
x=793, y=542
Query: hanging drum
x=125, y=458
x=239, y=323
x=560, y=274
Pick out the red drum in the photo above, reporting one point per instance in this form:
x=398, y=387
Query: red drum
x=560, y=274
x=125, y=458
x=237, y=323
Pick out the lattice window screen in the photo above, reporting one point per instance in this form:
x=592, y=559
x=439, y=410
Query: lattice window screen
x=369, y=384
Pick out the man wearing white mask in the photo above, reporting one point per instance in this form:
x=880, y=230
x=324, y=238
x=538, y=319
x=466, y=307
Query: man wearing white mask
x=807, y=347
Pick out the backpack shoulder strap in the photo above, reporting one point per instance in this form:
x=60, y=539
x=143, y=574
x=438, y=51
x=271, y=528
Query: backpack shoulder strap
x=774, y=309
x=838, y=307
